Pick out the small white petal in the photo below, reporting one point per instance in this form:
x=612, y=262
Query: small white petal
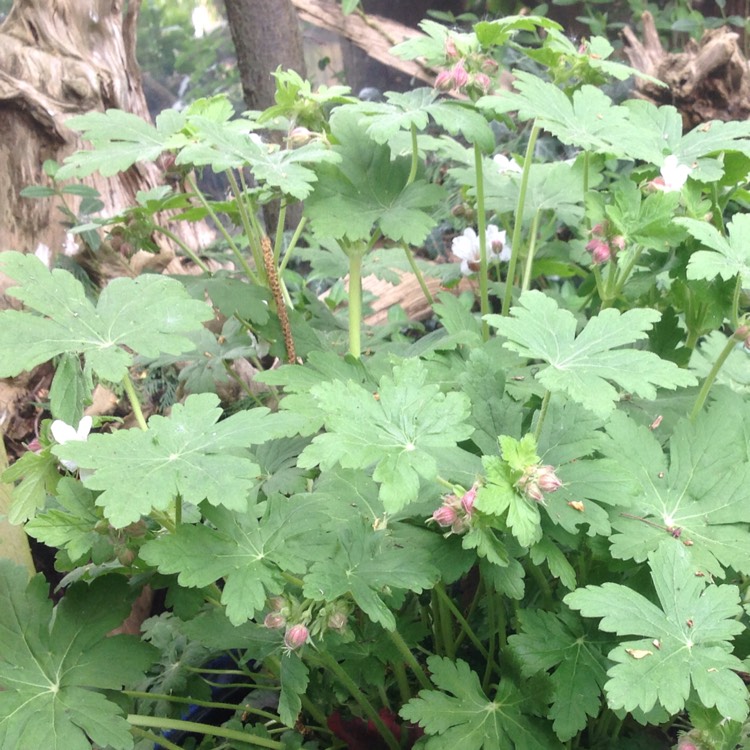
x=505, y=165
x=63, y=432
x=44, y=254
x=84, y=428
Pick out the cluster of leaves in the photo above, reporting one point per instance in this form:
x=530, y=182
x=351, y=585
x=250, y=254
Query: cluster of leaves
x=538, y=506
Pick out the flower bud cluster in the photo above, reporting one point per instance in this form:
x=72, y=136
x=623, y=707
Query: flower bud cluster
x=300, y=623
x=468, y=73
x=604, y=245
x=537, y=480
x=456, y=512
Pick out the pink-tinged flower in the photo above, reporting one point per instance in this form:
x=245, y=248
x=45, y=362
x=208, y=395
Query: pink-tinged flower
x=532, y=491
x=467, y=501
x=274, y=621
x=277, y=603
x=64, y=433
x=445, y=516
x=600, y=251
x=444, y=80
x=603, y=245
x=673, y=175
x=460, y=76
x=466, y=248
x=617, y=241
x=296, y=637
x=482, y=82
x=506, y=165
x=338, y=621
x=451, y=51
x=547, y=480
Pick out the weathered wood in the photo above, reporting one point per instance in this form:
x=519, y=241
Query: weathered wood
x=709, y=80
x=374, y=34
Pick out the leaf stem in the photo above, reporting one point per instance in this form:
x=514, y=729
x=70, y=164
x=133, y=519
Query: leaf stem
x=736, y=302
x=343, y=677
x=530, y=253
x=446, y=624
x=484, y=287
x=355, y=254
x=414, y=156
x=542, y=415
x=709, y=381
x=292, y=245
x=249, y=223
x=465, y=627
x=515, y=244
x=157, y=740
x=162, y=722
x=409, y=658
x=195, y=702
x=135, y=403
x=183, y=246
x=420, y=276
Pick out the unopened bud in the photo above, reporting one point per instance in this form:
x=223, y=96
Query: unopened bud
x=445, y=516
x=338, y=621
x=451, y=51
x=299, y=137
x=483, y=82
x=296, y=637
x=467, y=501
x=274, y=621
x=460, y=76
x=277, y=603
x=444, y=80
x=547, y=480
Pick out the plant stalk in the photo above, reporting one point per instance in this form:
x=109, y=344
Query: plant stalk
x=711, y=377
x=135, y=404
x=484, y=293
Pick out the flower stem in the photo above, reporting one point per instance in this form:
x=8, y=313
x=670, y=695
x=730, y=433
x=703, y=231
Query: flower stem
x=292, y=244
x=530, y=253
x=409, y=658
x=185, y=249
x=247, y=219
x=414, y=156
x=709, y=381
x=484, y=287
x=155, y=739
x=355, y=254
x=465, y=627
x=195, y=702
x=162, y=722
x=516, y=241
x=135, y=404
x=542, y=415
x=420, y=277
x=343, y=677
x=449, y=639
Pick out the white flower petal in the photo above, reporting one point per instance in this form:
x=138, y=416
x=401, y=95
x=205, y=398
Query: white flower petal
x=84, y=428
x=63, y=432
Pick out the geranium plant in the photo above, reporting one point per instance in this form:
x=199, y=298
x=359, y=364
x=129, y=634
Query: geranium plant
x=527, y=528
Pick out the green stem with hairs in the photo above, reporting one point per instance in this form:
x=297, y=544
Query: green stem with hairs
x=414, y=155
x=208, y=704
x=542, y=415
x=155, y=739
x=369, y=710
x=409, y=658
x=250, y=226
x=162, y=722
x=420, y=277
x=711, y=377
x=446, y=624
x=484, y=287
x=185, y=249
x=530, y=253
x=465, y=627
x=135, y=404
x=515, y=247
x=222, y=230
x=292, y=245
x=355, y=253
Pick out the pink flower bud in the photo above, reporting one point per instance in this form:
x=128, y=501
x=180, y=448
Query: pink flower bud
x=547, y=480
x=483, y=82
x=296, y=637
x=444, y=80
x=467, y=501
x=532, y=491
x=445, y=516
x=338, y=621
x=299, y=137
x=460, y=76
x=274, y=621
x=489, y=65
x=451, y=51
x=600, y=251
x=618, y=241
x=277, y=603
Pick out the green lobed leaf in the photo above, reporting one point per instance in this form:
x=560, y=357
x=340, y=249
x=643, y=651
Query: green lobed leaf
x=52, y=665
x=149, y=315
x=583, y=366
x=727, y=256
x=686, y=649
x=69, y=390
x=367, y=564
x=190, y=453
x=558, y=643
x=294, y=679
x=460, y=715
x=699, y=500
x=395, y=430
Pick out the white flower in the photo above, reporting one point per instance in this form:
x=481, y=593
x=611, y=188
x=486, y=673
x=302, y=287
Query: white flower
x=44, y=254
x=64, y=433
x=466, y=247
x=505, y=165
x=70, y=246
x=673, y=175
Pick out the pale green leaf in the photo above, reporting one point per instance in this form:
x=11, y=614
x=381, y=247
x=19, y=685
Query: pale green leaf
x=583, y=366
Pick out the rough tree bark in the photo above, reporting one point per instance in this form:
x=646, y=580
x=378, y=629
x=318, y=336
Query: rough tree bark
x=60, y=58
x=266, y=35
x=708, y=80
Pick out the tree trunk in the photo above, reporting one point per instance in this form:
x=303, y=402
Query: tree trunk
x=266, y=35
x=60, y=58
